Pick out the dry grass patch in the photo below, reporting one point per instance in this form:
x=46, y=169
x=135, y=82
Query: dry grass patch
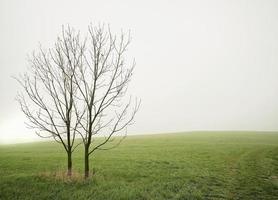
x=62, y=176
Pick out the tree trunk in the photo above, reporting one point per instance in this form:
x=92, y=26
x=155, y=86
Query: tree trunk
x=69, y=164
x=86, y=175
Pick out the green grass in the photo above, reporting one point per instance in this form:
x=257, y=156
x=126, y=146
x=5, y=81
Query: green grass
x=197, y=165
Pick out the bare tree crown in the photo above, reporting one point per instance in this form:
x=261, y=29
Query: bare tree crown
x=77, y=87
x=102, y=81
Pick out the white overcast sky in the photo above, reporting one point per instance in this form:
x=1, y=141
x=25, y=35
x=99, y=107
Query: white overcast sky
x=201, y=64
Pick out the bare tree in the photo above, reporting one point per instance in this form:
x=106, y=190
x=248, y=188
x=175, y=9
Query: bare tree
x=102, y=81
x=50, y=91
x=78, y=88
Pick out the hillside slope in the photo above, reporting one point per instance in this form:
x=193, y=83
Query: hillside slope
x=196, y=165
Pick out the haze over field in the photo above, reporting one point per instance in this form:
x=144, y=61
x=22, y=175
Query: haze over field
x=201, y=65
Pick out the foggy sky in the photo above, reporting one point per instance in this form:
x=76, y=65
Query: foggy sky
x=201, y=65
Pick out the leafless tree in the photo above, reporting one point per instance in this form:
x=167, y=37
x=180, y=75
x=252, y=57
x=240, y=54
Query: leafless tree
x=78, y=89
x=50, y=91
x=102, y=81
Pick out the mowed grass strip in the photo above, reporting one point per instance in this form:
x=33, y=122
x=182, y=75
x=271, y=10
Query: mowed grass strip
x=195, y=165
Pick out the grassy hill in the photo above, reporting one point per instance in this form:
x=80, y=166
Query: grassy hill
x=196, y=165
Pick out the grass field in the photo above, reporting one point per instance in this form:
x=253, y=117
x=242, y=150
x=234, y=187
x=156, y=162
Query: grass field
x=197, y=165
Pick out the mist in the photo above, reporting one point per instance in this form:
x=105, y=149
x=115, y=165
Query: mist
x=200, y=65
